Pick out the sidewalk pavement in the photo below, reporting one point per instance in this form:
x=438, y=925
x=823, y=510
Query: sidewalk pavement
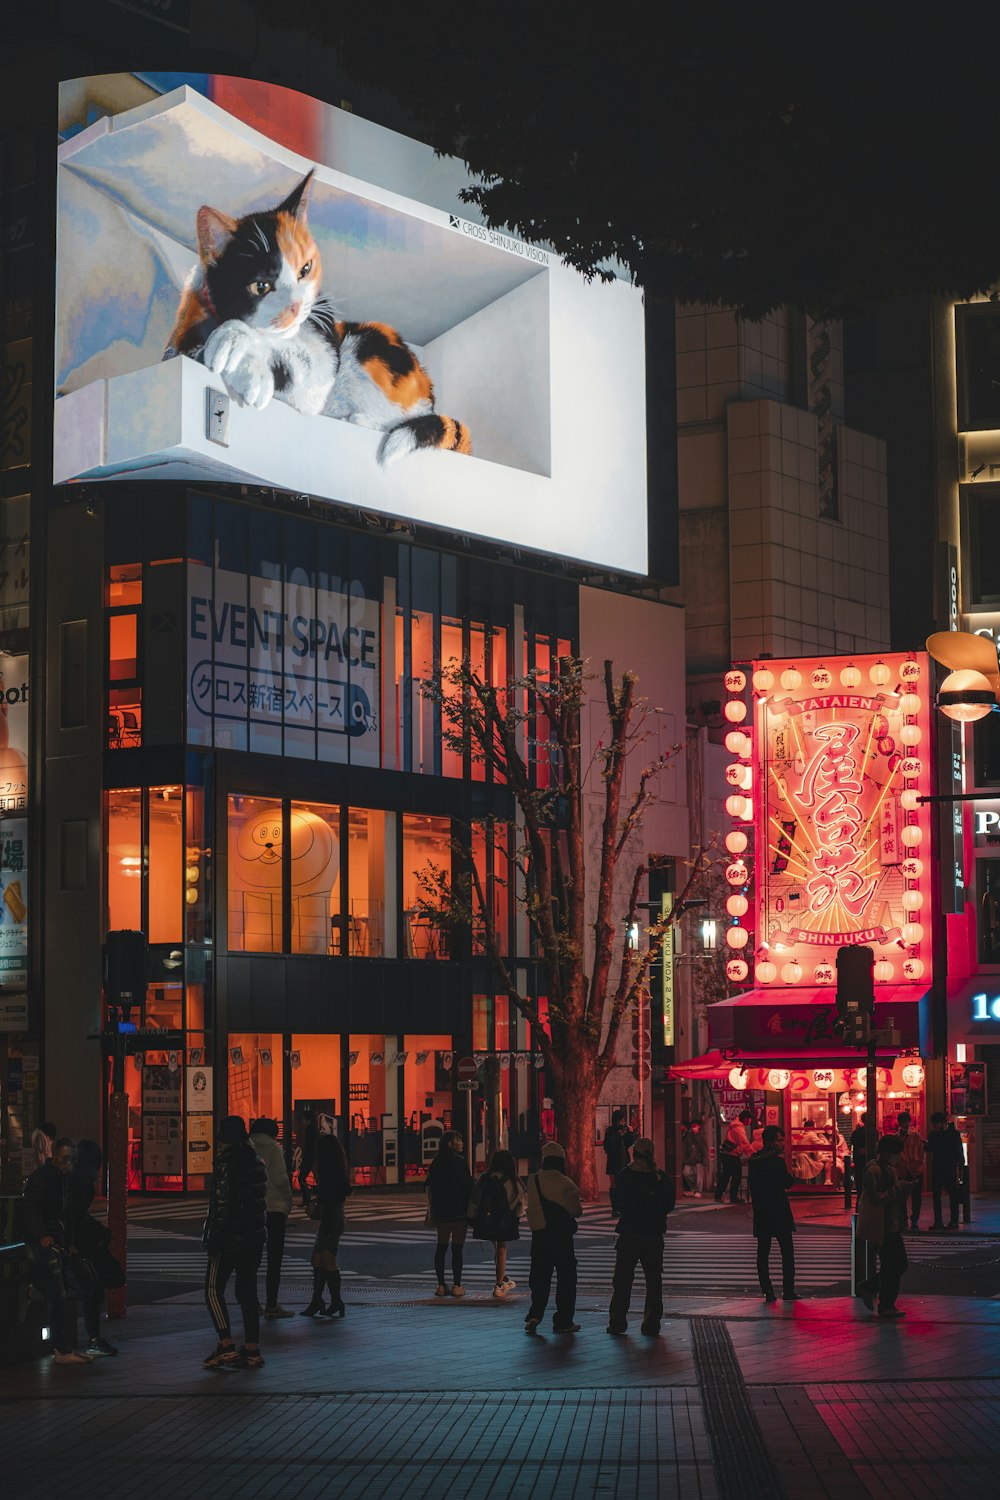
x=411, y=1397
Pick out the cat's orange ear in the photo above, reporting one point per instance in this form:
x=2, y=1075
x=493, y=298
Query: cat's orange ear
x=215, y=230
x=298, y=200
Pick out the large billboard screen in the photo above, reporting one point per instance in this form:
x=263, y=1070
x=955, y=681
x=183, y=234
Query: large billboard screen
x=256, y=287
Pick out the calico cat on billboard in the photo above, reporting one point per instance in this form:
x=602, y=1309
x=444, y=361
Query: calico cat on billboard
x=254, y=286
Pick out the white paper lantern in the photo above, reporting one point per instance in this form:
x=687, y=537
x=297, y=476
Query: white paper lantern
x=821, y=677
x=822, y=1078
x=879, y=674
x=909, y=672
x=737, y=937
x=913, y=900
x=910, y=734
x=909, y=798
x=912, y=868
x=791, y=972
x=738, y=1078
x=735, y=711
x=912, y=933
x=778, y=1078
x=736, y=841
x=913, y=1076
x=824, y=974
x=913, y=968
x=791, y=678
x=738, y=806
x=737, y=873
x=738, y=743
x=763, y=680
x=737, y=970
x=735, y=680
x=850, y=676
x=883, y=971
x=765, y=972
x=737, y=905
x=911, y=835
x=910, y=703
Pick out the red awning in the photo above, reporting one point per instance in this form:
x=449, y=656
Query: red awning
x=798, y=1024
x=708, y=1066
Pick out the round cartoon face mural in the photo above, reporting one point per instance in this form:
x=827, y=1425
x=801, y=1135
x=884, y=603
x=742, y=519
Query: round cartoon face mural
x=258, y=854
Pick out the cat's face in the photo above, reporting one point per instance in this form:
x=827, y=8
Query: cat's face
x=263, y=270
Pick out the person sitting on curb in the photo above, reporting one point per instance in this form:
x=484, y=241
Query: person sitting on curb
x=644, y=1197
x=554, y=1206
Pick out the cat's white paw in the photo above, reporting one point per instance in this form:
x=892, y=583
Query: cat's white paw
x=237, y=354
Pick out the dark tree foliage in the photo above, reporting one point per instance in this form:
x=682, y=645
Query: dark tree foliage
x=747, y=155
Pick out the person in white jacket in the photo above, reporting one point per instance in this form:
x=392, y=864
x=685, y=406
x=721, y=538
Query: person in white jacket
x=264, y=1140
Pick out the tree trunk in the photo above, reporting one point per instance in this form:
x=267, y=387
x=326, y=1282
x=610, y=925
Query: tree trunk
x=576, y=1111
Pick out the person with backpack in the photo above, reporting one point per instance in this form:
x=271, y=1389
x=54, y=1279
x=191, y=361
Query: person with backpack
x=497, y=1205
x=332, y=1190
x=449, y=1189
x=644, y=1196
x=554, y=1206
x=234, y=1234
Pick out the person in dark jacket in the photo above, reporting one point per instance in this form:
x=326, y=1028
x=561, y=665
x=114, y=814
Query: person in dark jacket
x=332, y=1188
x=234, y=1235
x=618, y=1140
x=859, y=1153
x=553, y=1212
x=92, y=1239
x=944, y=1147
x=449, y=1190
x=769, y=1180
x=48, y=1229
x=643, y=1199
x=310, y=1138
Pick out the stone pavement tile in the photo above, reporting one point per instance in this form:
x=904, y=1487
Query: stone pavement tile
x=805, y=1453
x=552, y=1444
x=809, y=1341
x=461, y=1345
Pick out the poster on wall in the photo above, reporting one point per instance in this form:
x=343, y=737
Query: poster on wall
x=254, y=286
x=162, y=1146
x=13, y=734
x=838, y=755
x=967, y=1088
x=199, y=1143
x=198, y=1090
x=161, y=1090
x=13, y=902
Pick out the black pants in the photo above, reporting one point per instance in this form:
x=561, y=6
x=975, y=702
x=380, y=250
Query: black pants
x=731, y=1174
x=276, y=1225
x=787, y=1247
x=645, y=1250
x=916, y=1199
x=551, y=1251
x=217, y=1273
x=943, y=1179
x=892, y=1262
x=45, y=1275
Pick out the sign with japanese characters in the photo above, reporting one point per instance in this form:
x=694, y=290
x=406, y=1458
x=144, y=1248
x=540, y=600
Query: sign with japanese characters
x=14, y=689
x=13, y=903
x=299, y=664
x=842, y=753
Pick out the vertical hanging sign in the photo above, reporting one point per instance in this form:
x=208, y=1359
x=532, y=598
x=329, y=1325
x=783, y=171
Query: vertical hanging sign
x=667, y=970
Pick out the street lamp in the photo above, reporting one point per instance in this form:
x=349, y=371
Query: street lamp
x=972, y=687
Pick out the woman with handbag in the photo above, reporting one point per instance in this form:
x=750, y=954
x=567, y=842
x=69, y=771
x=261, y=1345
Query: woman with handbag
x=881, y=1214
x=327, y=1207
x=496, y=1207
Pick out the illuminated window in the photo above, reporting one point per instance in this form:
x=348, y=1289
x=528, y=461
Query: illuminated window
x=988, y=882
x=125, y=859
x=255, y=836
x=123, y=669
x=197, y=870
x=426, y=878
x=977, y=328
x=489, y=853
x=315, y=876
x=370, y=861
x=166, y=865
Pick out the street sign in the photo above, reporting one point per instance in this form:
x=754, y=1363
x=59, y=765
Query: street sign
x=468, y=1068
x=467, y=1083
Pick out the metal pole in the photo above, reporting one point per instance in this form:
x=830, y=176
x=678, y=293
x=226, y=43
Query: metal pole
x=470, y=1145
x=641, y=1003
x=871, y=1122
x=118, y=1166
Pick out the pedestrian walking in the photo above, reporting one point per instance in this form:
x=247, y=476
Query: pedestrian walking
x=644, y=1196
x=496, y=1208
x=554, y=1206
x=735, y=1149
x=944, y=1147
x=449, y=1190
x=696, y=1161
x=92, y=1240
x=881, y=1215
x=234, y=1235
x=768, y=1181
x=333, y=1187
x=911, y=1167
x=307, y=1157
x=41, y=1142
x=277, y=1204
x=618, y=1140
x=859, y=1152
x=48, y=1230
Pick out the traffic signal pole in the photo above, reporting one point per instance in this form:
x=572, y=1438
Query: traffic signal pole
x=856, y=1024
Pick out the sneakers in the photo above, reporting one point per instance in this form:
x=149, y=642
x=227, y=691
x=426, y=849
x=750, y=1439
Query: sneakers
x=100, y=1346
x=531, y=1324
x=458, y=1291
x=565, y=1328
x=508, y=1283
x=246, y=1359
x=221, y=1357
x=500, y=1293
x=277, y=1312
x=70, y=1357
x=442, y=1290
